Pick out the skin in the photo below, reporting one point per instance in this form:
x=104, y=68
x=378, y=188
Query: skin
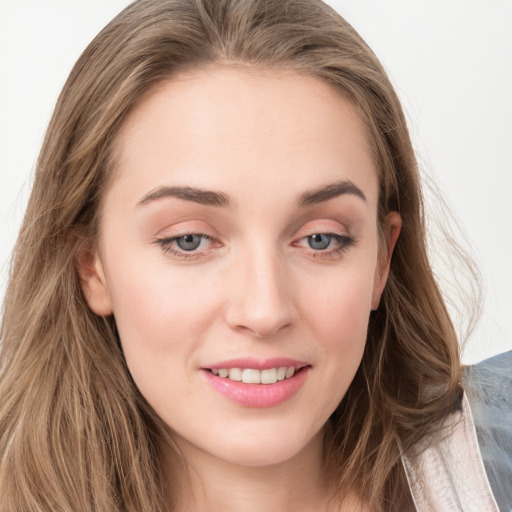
x=255, y=287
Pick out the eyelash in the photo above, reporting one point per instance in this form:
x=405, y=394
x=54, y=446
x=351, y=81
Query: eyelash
x=344, y=243
x=167, y=248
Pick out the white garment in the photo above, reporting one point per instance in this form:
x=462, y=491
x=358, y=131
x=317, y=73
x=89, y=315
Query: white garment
x=468, y=468
x=449, y=475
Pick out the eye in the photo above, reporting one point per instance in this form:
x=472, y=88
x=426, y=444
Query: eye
x=189, y=242
x=325, y=245
x=319, y=241
x=189, y=245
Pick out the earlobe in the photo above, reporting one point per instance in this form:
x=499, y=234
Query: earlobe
x=392, y=227
x=93, y=281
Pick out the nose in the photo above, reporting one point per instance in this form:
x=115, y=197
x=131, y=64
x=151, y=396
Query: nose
x=261, y=299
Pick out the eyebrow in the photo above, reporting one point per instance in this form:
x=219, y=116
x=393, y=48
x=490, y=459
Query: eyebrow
x=196, y=195
x=330, y=191
x=219, y=199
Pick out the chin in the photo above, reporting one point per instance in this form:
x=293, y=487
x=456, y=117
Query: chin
x=265, y=447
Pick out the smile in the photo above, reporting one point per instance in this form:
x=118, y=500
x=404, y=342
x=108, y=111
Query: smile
x=260, y=384
x=254, y=376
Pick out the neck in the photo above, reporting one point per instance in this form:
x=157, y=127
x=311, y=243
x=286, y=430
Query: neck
x=215, y=485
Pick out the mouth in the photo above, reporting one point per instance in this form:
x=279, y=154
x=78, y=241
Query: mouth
x=255, y=376
x=253, y=384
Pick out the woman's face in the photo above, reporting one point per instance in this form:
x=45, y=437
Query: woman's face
x=239, y=238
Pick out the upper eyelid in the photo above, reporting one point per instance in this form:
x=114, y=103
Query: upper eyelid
x=342, y=238
x=340, y=232
x=322, y=224
x=165, y=240
x=322, y=230
x=311, y=227
x=172, y=237
x=169, y=233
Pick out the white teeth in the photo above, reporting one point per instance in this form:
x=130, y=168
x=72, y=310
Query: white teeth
x=235, y=374
x=252, y=376
x=269, y=376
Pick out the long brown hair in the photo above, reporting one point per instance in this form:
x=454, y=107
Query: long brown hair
x=75, y=434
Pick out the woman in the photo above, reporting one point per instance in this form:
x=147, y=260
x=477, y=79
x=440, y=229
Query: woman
x=220, y=296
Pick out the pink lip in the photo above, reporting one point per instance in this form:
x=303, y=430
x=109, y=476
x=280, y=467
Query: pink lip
x=257, y=364
x=258, y=395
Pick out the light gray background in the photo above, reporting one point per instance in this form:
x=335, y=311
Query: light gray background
x=451, y=61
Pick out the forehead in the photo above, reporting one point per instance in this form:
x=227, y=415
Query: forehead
x=250, y=127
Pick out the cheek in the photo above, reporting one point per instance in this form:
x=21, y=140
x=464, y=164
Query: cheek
x=342, y=305
x=162, y=317
x=339, y=317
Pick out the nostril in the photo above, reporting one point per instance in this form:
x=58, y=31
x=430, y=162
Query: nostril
x=261, y=330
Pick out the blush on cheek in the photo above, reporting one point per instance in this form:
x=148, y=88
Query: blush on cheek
x=345, y=300
x=342, y=322
x=159, y=312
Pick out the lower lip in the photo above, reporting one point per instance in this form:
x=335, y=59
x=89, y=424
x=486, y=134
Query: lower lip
x=257, y=395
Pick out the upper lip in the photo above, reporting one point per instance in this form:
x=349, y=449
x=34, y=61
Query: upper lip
x=257, y=364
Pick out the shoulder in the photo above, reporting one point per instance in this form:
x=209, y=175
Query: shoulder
x=488, y=387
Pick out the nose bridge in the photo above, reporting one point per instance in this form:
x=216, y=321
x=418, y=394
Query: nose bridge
x=262, y=304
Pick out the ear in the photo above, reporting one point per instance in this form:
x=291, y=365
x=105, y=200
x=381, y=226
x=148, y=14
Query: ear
x=392, y=227
x=93, y=281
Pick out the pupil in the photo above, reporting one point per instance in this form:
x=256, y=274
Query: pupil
x=319, y=241
x=189, y=242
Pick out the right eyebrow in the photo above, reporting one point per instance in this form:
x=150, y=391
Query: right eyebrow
x=196, y=195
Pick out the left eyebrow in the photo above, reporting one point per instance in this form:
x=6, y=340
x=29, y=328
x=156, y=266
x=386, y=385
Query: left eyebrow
x=330, y=191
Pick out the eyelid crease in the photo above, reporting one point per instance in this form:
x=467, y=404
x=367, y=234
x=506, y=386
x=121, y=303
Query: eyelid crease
x=324, y=226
